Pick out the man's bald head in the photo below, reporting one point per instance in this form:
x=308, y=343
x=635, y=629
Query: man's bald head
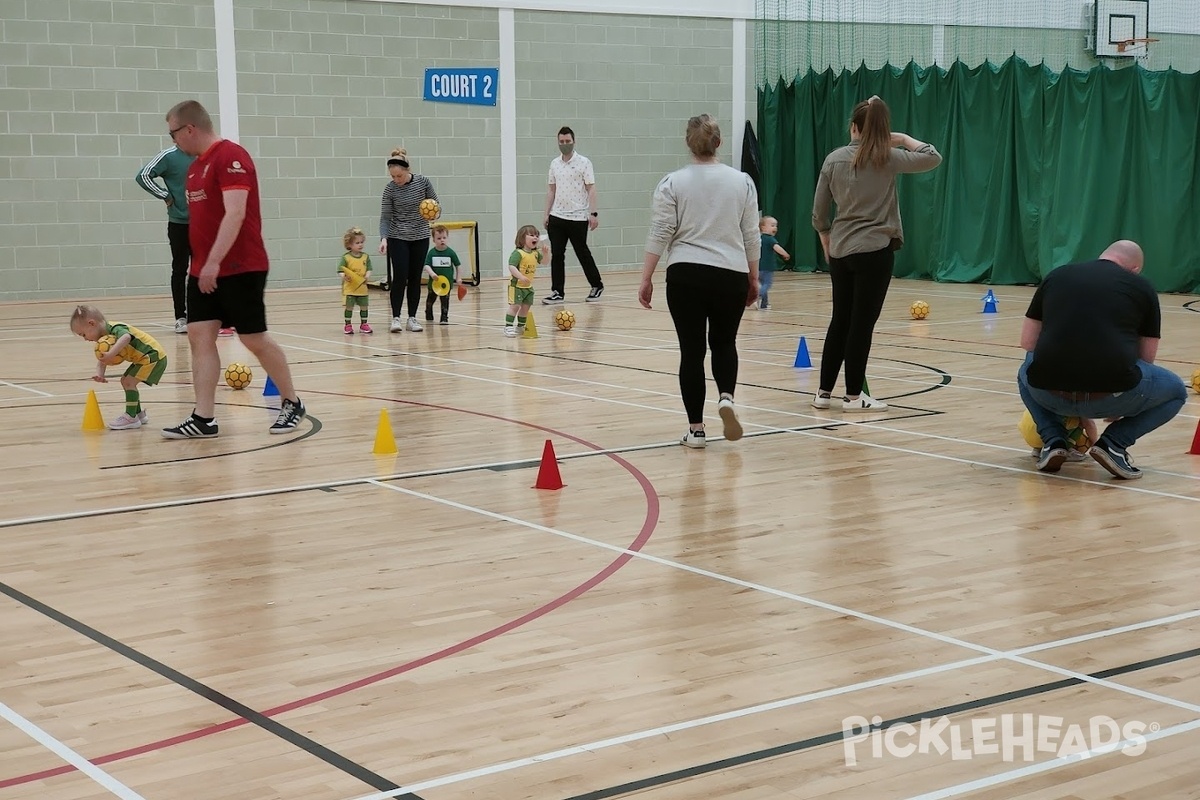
x=1126, y=253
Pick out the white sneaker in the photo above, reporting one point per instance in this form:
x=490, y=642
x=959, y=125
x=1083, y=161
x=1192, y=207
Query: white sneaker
x=824, y=401
x=733, y=427
x=142, y=416
x=694, y=440
x=864, y=403
x=181, y=325
x=1073, y=456
x=397, y=325
x=414, y=326
x=125, y=423
x=510, y=332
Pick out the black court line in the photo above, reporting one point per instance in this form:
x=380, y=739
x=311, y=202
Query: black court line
x=267, y=724
x=331, y=486
x=831, y=425
x=291, y=439
x=945, y=377
x=837, y=736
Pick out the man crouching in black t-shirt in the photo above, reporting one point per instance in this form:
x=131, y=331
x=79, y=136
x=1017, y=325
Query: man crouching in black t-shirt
x=1092, y=332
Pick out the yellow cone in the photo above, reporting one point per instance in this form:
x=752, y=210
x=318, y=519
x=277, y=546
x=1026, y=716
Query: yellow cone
x=92, y=421
x=385, y=442
x=530, y=328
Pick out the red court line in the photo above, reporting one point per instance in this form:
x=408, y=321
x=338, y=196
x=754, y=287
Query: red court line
x=653, y=508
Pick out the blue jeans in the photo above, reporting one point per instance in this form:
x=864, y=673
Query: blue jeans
x=1149, y=405
x=765, y=279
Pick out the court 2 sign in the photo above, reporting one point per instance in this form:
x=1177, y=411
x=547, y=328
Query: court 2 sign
x=473, y=86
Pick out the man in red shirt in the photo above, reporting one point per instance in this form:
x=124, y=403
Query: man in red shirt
x=228, y=274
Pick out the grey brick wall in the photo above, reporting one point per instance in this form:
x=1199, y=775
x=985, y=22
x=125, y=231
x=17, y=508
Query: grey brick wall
x=83, y=92
x=626, y=86
x=326, y=89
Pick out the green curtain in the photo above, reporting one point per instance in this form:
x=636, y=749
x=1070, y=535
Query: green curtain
x=1041, y=168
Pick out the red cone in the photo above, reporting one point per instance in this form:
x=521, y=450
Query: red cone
x=1195, y=451
x=548, y=476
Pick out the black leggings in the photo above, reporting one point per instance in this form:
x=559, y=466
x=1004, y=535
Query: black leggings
x=406, y=262
x=706, y=301
x=860, y=283
x=181, y=259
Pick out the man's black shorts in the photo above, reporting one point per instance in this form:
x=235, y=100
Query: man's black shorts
x=237, y=302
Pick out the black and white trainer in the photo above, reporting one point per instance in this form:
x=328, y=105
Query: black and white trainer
x=290, y=415
x=594, y=294
x=192, y=428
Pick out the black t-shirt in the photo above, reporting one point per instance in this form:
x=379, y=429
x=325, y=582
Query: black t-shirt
x=1093, y=316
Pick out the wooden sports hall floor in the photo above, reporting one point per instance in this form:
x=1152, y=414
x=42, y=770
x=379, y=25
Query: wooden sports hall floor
x=294, y=617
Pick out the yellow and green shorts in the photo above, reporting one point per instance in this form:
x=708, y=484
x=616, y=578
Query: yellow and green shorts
x=149, y=374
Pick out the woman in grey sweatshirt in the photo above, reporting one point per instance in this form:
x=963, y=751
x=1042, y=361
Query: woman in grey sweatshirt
x=706, y=215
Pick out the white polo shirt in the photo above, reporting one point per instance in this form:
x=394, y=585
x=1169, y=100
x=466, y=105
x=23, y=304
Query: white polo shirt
x=570, y=180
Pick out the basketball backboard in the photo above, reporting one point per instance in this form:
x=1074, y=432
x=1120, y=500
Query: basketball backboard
x=1117, y=22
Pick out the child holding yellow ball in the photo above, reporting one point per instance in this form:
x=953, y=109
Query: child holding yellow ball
x=146, y=357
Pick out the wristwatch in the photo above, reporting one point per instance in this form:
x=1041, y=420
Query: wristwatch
x=595, y=213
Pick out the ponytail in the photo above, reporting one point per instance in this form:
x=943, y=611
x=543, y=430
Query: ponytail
x=874, y=123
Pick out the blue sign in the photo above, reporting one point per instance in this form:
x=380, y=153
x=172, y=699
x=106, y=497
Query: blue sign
x=474, y=86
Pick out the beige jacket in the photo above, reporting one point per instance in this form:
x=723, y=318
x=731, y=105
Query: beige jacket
x=868, y=216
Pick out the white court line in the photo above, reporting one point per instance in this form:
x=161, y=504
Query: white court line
x=803, y=599
x=1046, y=766
x=1107, y=484
x=999, y=656
x=990, y=656
x=68, y=755
x=25, y=389
x=615, y=741
x=65, y=516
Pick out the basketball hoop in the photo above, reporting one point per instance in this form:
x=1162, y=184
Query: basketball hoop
x=1130, y=44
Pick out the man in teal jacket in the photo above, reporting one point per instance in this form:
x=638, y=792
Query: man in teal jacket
x=171, y=166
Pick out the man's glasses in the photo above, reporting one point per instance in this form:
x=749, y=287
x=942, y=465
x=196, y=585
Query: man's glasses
x=174, y=131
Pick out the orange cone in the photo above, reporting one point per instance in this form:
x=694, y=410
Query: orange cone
x=1195, y=451
x=548, y=475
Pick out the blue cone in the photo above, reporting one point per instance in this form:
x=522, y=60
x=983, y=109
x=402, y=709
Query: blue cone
x=803, y=360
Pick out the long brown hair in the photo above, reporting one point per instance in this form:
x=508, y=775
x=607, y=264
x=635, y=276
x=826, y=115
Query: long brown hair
x=874, y=123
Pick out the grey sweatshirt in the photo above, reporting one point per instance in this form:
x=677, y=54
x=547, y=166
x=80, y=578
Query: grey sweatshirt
x=706, y=214
x=868, y=216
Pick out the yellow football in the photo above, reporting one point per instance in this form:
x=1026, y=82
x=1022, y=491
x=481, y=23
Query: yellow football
x=430, y=209
x=238, y=375
x=564, y=319
x=104, y=344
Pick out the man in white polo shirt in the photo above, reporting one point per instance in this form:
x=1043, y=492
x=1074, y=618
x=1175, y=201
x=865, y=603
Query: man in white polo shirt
x=570, y=214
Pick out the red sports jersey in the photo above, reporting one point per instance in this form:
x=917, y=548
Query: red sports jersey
x=226, y=165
